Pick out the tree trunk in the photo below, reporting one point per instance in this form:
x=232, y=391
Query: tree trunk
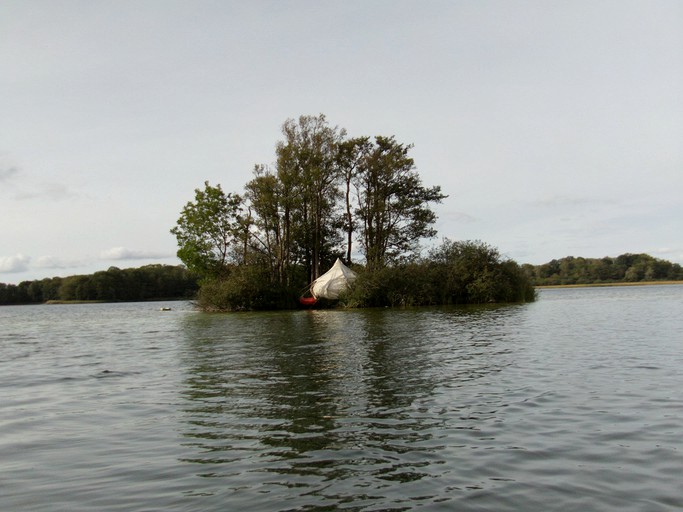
x=349, y=220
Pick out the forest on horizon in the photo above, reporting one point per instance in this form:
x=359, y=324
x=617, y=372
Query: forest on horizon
x=626, y=268
x=149, y=282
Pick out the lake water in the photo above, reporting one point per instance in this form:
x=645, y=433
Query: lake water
x=574, y=402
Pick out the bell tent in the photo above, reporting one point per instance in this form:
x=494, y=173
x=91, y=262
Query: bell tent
x=333, y=282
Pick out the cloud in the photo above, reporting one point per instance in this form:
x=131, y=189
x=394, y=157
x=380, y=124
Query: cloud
x=122, y=253
x=52, y=191
x=564, y=200
x=57, y=262
x=456, y=216
x=7, y=173
x=14, y=264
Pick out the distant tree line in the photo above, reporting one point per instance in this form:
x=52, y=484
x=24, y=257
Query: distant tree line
x=133, y=284
x=326, y=196
x=630, y=268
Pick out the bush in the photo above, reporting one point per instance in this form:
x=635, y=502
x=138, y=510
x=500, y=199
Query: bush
x=454, y=273
x=245, y=288
x=475, y=273
x=401, y=285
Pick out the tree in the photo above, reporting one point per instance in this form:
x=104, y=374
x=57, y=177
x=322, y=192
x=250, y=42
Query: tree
x=210, y=231
x=307, y=168
x=350, y=156
x=393, y=206
x=266, y=200
x=322, y=189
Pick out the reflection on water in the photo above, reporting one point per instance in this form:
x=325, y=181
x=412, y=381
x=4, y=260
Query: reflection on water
x=487, y=408
x=570, y=403
x=342, y=405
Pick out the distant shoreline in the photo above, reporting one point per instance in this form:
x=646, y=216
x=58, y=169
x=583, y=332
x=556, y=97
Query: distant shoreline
x=77, y=301
x=596, y=285
x=103, y=301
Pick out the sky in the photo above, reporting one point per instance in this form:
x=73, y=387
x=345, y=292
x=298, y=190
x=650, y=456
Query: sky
x=555, y=127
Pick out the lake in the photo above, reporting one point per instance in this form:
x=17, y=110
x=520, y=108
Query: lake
x=574, y=402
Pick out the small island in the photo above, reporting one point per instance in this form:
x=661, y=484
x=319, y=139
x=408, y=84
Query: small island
x=330, y=196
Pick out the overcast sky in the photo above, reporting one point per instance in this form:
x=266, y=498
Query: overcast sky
x=555, y=127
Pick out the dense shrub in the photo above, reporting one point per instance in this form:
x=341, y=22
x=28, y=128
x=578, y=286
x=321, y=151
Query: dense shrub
x=454, y=273
x=475, y=273
x=401, y=285
x=245, y=288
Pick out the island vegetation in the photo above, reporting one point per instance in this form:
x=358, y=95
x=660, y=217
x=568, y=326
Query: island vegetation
x=150, y=282
x=328, y=196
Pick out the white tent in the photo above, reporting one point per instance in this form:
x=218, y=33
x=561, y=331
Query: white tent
x=333, y=282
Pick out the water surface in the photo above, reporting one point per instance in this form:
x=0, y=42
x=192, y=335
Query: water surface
x=570, y=403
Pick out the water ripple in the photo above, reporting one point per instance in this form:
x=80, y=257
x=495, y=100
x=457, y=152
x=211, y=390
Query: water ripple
x=571, y=403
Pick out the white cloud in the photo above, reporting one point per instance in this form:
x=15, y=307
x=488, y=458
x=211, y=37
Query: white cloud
x=14, y=264
x=122, y=253
x=57, y=262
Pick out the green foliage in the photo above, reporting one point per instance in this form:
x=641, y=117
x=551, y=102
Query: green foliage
x=133, y=284
x=631, y=268
x=323, y=191
x=401, y=285
x=326, y=190
x=295, y=204
x=210, y=230
x=245, y=288
x=393, y=209
x=15, y=294
x=307, y=167
x=454, y=273
x=474, y=272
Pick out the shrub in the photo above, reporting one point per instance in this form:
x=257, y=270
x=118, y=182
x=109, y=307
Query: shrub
x=397, y=286
x=474, y=272
x=454, y=273
x=245, y=288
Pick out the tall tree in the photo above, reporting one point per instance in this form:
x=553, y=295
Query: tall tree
x=393, y=206
x=307, y=169
x=350, y=156
x=265, y=195
x=209, y=231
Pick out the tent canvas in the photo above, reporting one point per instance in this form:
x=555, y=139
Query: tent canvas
x=333, y=282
